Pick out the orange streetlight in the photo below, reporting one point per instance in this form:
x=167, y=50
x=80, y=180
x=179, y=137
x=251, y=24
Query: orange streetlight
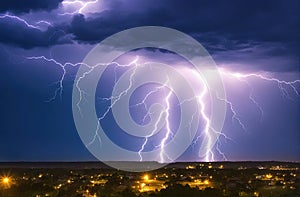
x=6, y=181
x=146, y=177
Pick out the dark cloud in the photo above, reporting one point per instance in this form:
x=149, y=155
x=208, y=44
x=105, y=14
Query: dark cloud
x=18, y=33
x=19, y=6
x=119, y=16
x=238, y=26
x=220, y=27
x=268, y=21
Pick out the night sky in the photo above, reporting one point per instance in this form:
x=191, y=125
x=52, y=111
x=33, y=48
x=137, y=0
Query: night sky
x=242, y=37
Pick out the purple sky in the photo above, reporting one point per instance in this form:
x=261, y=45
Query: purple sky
x=242, y=37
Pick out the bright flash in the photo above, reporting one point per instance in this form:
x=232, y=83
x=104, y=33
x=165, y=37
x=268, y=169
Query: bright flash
x=146, y=177
x=269, y=176
x=6, y=180
x=237, y=75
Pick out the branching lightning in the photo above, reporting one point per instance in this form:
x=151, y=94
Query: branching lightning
x=280, y=83
x=59, y=89
x=165, y=113
x=143, y=102
x=151, y=134
x=242, y=77
x=234, y=113
x=209, y=155
x=115, y=99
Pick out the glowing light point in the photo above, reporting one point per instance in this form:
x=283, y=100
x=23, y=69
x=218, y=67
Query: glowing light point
x=6, y=180
x=206, y=182
x=268, y=176
x=146, y=177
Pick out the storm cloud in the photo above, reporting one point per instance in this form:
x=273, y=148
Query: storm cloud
x=17, y=6
x=237, y=28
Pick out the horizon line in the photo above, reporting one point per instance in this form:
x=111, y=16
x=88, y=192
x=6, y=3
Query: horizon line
x=97, y=161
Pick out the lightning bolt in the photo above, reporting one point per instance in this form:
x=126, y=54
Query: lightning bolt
x=82, y=5
x=206, y=153
x=209, y=153
x=115, y=99
x=234, y=112
x=19, y=19
x=280, y=83
x=165, y=113
x=243, y=78
x=168, y=129
x=283, y=85
x=59, y=89
x=47, y=23
x=251, y=97
x=207, y=127
x=151, y=134
x=220, y=152
x=40, y=25
x=143, y=102
x=191, y=124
